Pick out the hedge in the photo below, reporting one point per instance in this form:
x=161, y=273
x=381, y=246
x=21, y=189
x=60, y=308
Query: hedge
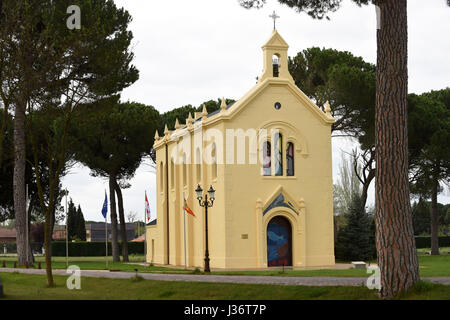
x=11, y=247
x=92, y=249
x=425, y=242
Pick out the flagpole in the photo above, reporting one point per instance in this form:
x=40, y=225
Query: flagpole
x=184, y=216
x=106, y=240
x=67, y=235
x=106, y=233
x=145, y=229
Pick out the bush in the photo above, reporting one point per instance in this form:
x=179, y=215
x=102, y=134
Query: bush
x=92, y=249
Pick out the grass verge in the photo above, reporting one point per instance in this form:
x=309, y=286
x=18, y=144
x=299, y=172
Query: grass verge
x=24, y=287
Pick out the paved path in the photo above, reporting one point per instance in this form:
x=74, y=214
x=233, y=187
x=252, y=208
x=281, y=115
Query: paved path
x=304, y=281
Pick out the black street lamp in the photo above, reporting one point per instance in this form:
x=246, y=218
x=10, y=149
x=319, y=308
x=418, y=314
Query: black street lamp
x=207, y=204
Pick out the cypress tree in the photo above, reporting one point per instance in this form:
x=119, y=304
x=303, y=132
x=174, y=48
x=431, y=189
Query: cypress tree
x=81, y=229
x=72, y=220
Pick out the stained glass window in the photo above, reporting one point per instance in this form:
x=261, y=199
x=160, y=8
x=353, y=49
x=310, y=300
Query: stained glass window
x=278, y=154
x=267, y=161
x=290, y=159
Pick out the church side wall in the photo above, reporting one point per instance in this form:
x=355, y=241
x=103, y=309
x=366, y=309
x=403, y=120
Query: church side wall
x=155, y=235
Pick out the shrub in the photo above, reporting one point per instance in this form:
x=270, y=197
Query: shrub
x=356, y=241
x=425, y=242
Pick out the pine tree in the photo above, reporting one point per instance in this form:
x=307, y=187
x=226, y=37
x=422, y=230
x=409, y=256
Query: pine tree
x=355, y=242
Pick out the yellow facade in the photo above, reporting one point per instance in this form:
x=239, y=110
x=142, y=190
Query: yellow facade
x=248, y=197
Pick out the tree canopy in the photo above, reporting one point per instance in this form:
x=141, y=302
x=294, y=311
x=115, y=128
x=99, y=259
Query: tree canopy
x=112, y=137
x=50, y=66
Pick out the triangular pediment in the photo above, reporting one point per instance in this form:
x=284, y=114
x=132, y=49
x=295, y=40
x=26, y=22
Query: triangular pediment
x=293, y=89
x=280, y=198
x=276, y=40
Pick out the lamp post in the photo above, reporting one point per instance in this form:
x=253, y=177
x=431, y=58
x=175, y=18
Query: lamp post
x=207, y=204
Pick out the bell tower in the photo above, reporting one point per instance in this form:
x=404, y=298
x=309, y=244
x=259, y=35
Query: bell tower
x=275, y=58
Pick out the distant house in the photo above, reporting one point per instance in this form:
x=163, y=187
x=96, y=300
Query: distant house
x=7, y=235
x=96, y=232
x=141, y=238
x=59, y=233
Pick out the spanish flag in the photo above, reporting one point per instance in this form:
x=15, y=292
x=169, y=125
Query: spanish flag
x=187, y=209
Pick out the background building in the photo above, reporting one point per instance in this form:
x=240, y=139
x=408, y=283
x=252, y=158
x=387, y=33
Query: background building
x=59, y=233
x=96, y=232
x=7, y=235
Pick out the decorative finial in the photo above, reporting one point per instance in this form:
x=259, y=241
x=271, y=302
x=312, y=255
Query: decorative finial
x=327, y=108
x=177, y=124
x=274, y=17
x=204, y=112
x=189, y=119
x=223, y=105
x=166, y=130
x=156, y=135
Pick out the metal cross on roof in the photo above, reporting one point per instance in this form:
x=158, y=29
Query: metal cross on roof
x=274, y=17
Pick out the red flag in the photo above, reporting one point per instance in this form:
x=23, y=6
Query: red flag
x=188, y=210
x=147, y=209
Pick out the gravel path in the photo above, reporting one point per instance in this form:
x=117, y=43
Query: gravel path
x=304, y=281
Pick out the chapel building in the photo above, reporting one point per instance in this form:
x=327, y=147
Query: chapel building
x=268, y=156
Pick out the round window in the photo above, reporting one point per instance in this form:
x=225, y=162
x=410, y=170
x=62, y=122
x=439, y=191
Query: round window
x=277, y=105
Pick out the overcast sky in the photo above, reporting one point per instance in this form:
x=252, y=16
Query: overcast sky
x=188, y=52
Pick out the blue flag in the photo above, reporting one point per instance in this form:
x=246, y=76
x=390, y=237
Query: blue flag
x=105, y=207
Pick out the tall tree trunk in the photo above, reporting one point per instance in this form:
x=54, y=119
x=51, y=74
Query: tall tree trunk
x=434, y=221
x=47, y=246
x=397, y=254
x=31, y=258
x=123, y=226
x=19, y=185
x=4, y=122
x=112, y=199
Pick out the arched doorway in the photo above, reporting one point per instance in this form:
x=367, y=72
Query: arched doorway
x=279, y=242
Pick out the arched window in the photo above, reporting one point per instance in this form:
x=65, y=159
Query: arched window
x=276, y=65
x=214, y=159
x=267, y=161
x=184, y=170
x=172, y=174
x=198, y=165
x=278, y=154
x=290, y=159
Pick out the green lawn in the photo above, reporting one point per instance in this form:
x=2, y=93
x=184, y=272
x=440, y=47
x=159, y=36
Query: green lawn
x=442, y=250
x=20, y=286
x=95, y=263
x=430, y=266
